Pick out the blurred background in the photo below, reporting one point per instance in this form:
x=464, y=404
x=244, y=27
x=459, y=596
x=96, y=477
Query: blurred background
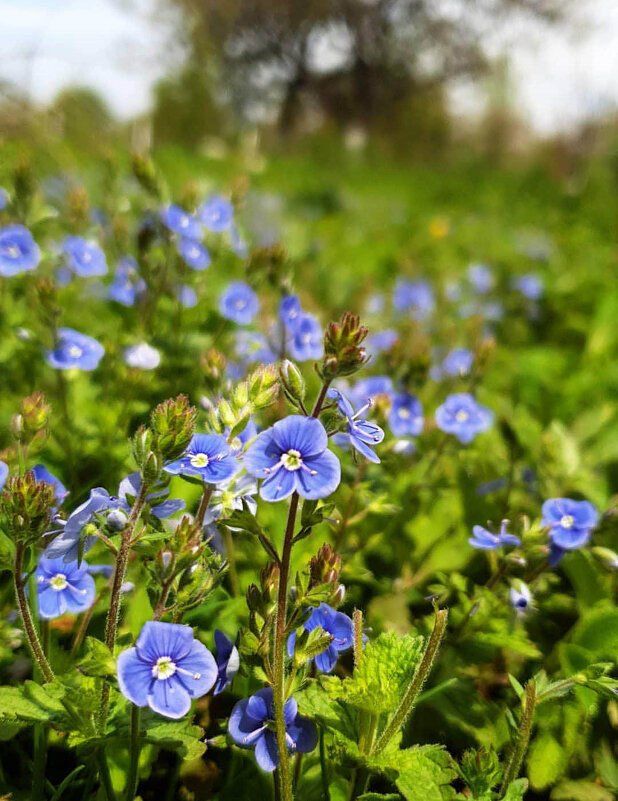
x=514, y=82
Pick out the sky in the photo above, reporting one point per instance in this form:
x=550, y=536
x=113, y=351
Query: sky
x=559, y=76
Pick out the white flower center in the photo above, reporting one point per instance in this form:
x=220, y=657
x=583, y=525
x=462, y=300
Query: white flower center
x=184, y=222
x=239, y=304
x=87, y=257
x=461, y=416
x=58, y=582
x=567, y=521
x=199, y=460
x=75, y=351
x=404, y=413
x=12, y=251
x=193, y=253
x=291, y=460
x=163, y=668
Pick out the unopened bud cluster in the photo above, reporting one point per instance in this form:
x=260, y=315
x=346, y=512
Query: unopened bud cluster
x=343, y=350
x=27, y=506
x=171, y=427
x=233, y=413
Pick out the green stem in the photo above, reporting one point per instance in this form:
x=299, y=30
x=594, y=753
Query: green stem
x=104, y=776
x=39, y=758
x=201, y=512
x=324, y=766
x=522, y=738
x=24, y=610
x=230, y=552
x=134, y=749
x=420, y=677
x=358, y=637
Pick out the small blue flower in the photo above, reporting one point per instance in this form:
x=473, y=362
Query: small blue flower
x=216, y=213
x=234, y=494
x=458, y=362
x=484, y=540
x=4, y=473
x=127, y=285
x=129, y=489
x=181, y=222
x=405, y=418
x=251, y=725
x=166, y=669
x=382, y=340
x=142, y=356
x=208, y=457
x=293, y=456
x=187, y=297
x=493, y=311
x=481, y=277
x=73, y=349
x=306, y=339
x=63, y=587
x=18, y=251
x=194, y=253
x=415, y=297
x=368, y=390
x=228, y=662
x=570, y=524
x=462, y=416
x=239, y=303
x=520, y=598
x=338, y=625
x=66, y=546
x=84, y=257
x=290, y=311
x=375, y=303
x=41, y=473
x=252, y=347
x=530, y=286
x=363, y=435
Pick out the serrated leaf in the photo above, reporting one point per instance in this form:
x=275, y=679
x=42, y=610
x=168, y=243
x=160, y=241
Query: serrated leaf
x=31, y=703
x=177, y=735
x=421, y=773
x=98, y=660
x=516, y=790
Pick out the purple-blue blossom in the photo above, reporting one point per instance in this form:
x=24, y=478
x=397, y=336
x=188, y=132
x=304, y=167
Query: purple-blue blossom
x=228, y=662
x=127, y=285
x=530, y=286
x=166, y=669
x=338, y=625
x=187, y=296
x=363, y=435
x=193, y=253
x=405, y=418
x=41, y=473
x=414, y=297
x=181, y=222
x=252, y=725
x=216, y=213
x=290, y=311
x=481, y=277
x=484, y=540
x=239, y=303
x=520, y=598
x=458, y=362
x=19, y=253
x=570, y=525
x=306, y=338
x=63, y=587
x=462, y=416
x=142, y=356
x=75, y=350
x=84, y=257
x=208, y=457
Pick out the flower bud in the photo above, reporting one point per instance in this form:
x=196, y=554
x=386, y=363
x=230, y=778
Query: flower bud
x=292, y=382
x=28, y=507
x=35, y=413
x=338, y=596
x=173, y=423
x=343, y=351
x=146, y=174
x=606, y=556
x=324, y=567
x=116, y=520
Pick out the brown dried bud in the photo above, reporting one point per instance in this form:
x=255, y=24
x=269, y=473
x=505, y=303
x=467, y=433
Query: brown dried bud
x=343, y=351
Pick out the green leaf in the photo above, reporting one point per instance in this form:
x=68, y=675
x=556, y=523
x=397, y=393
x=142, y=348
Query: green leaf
x=318, y=700
x=421, y=773
x=516, y=790
x=379, y=797
x=384, y=673
x=31, y=703
x=546, y=761
x=175, y=735
x=98, y=660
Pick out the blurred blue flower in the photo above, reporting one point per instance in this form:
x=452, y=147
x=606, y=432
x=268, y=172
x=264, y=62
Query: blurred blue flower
x=306, y=339
x=193, y=253
x=41, y=473
x=491, y=486
x=4, y=473
x=216, y=213
x=363, y=435
x=375, y=303
x=83, y=256
x=18, y=251
x=239, y=246
x=239, y=303
x=461, y=415
x=187, y=297
x=458, y=362
x=127, y=285
x=73, y=349
x=484, y=540
x=414, y=296
x=181, y=222
x=481, y=277
x=251, y=725
x=290, y=311
x=63, y=587
x=142, y=356
x=570, y=524
x=380, y=341
x=293, y=456
x=530, y=286
x=208, y=457
x=493, y=311
x=165, y=669
x=338, y=625
x=228, y=662
x=405, y=418
x=520, y=598
x=252, y=347
x=367, y=390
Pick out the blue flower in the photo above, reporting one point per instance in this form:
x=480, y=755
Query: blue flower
x=462, y=416
x=382, y=340
x=63, y=587
x=193, y=253
x=405, y=418
x=41, y=473
x=290, y=311
x=293, y=456
x=67, y=544
x=181, y=222
x=570, y=524
x=129, y=489
x=187, y=297
x=18, y=251
x=363, y=435
x=128, y=285
x=458, y=362
x=520, y=598
x=306, y=340
x=228, y=662
x=239, y=303
x=369, y=389
x=484, y=540
x=142, y=356
x=73, y=349
x=166, y=669
x=481, y=277
x=251, y=725
x=208, y=457
x=415, y=297
x=530, y=286
x=84, y=257
x=338, y=625
x=216, y=213
x=4, y=473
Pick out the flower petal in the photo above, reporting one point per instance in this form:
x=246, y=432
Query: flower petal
x=164, y=639
x=279, y=485
x=169, y=697
x=200, y=663
x=304, y=434
x=304, y=733
x=134, y=677
x=326, y=479
x=267, y=752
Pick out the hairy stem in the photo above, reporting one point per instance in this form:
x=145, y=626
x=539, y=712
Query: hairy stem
x=522, y=738
x=358, y=637
x=24, y=610
x=416, y=685
x=201, y=512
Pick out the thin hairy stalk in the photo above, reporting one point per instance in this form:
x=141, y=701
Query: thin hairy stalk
x=230, y=552
x=420, y=677
x=134, y=749
x=522, y=738
x=358, y=637
x=203, y=507
x=32, y=637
